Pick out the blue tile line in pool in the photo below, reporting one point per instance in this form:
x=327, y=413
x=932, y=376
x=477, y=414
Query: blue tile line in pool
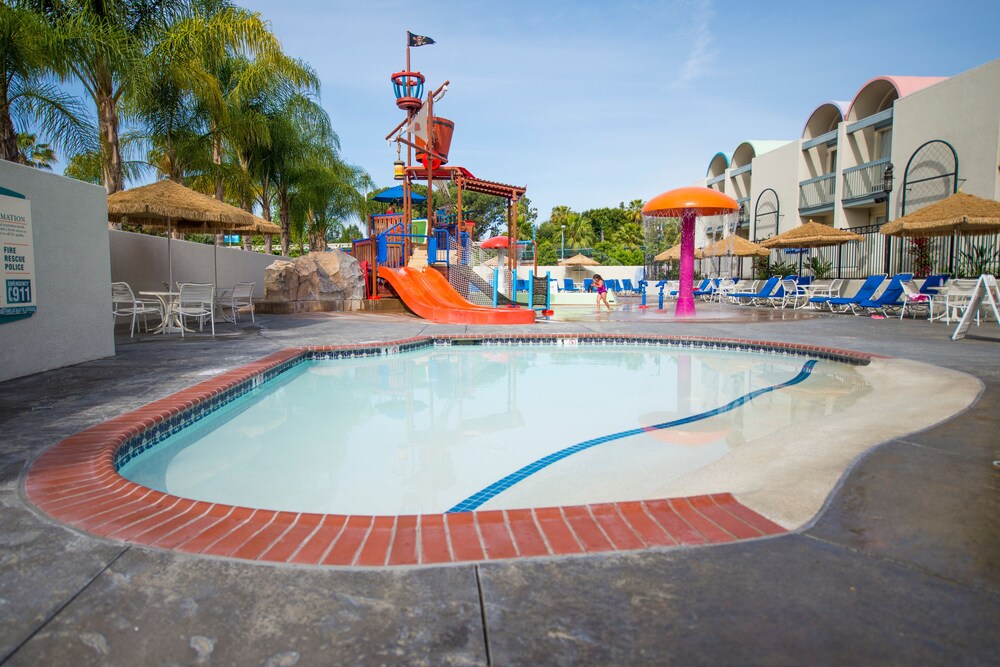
x=477, y=499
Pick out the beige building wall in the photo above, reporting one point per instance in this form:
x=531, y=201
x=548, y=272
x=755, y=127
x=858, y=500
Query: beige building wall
x=964, y=111
x=73, y=323
x=777, y=170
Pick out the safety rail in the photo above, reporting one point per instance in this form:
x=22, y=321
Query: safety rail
x=817, y=192
x=865, y=180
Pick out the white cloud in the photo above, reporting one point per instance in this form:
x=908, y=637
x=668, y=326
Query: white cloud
x=699, y=44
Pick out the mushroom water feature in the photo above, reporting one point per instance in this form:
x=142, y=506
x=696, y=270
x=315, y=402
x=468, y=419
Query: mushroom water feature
x=688, y=204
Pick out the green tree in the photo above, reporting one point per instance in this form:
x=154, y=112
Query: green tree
x=547, y=254
x=33, y=153
x=32, y=57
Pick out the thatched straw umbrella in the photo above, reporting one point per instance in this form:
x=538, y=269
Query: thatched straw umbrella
x=811, y=235
x=674, y=254
x=961, y=212
x=736, y=246
x=169, y=205
x=578, y=260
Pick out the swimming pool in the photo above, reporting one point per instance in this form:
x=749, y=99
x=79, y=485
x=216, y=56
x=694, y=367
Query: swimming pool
x=776, y=477
x=460, y=427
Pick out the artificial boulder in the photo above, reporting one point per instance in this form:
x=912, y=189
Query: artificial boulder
x=317, y=281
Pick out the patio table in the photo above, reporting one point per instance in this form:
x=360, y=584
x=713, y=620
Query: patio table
x=171, y=320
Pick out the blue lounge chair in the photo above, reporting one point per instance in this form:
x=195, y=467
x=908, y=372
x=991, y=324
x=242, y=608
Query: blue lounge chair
x=843, y=303
x=627, y=286
x=761, y=295
x=569, y=285
x=587, y=283
x=700, y=289
x=933, y=284
x=890, y=298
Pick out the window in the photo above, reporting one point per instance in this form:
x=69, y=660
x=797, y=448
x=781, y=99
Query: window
x=883, y=143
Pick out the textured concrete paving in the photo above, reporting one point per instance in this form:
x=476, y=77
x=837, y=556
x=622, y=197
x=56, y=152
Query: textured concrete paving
x=902, y=566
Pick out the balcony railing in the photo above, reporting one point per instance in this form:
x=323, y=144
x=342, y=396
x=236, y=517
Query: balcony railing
x=865, y=180
x=817, y=192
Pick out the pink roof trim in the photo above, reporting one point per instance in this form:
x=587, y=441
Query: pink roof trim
x=904, y=85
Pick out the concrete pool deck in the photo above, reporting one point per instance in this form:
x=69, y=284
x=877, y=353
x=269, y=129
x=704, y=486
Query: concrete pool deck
x=901, y=566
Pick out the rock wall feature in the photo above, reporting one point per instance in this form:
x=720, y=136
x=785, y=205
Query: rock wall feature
x=317, y=281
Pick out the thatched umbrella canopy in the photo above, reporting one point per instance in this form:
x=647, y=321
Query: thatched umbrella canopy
x=155, y=204
x=579, y=259
x=811, y=235
x=736, y=246
x=258, y=226
x=169, y=205
x=961, y=212
x=674, y=254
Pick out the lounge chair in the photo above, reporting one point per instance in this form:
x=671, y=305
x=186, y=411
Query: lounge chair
x=124, y=304
x=793, y=294
x=569, y=285
x=627, y=286
x=761, y=295
x=913, y=300
x=703, y=288
x=821, y=293
x=843, y=304
x=587, y=284
x=889, y=299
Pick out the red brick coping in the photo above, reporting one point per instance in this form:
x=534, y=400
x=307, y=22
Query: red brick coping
x=76, y=482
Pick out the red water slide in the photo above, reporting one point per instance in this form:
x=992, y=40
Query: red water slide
x=428, y=294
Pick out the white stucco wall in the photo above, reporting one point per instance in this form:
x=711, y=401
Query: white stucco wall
x=73, y=322
x=141, y=261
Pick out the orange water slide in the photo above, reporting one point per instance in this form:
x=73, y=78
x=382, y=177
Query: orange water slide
x=428, y=294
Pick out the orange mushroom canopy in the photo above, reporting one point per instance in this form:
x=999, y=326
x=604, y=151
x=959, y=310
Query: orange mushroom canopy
x=703, y=201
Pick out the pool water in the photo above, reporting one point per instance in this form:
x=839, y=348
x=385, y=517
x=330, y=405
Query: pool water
x=457, y=428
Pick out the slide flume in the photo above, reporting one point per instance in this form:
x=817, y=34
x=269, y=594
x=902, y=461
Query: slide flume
x=428, y=294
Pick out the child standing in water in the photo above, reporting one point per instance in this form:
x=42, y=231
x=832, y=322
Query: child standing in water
x=602, y=292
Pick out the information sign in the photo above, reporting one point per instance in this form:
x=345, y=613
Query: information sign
x=17, y=282
x=986, y=287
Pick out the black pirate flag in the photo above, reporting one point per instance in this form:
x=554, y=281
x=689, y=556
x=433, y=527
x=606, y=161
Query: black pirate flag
x=417, y=40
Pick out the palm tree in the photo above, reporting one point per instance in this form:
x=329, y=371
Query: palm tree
x=105, y=42
x=299, y=130
x=32, y=58
x=578, y=232
x=33, y=153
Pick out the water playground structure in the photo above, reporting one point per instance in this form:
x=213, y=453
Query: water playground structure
x=426, y=254
x=431, y=261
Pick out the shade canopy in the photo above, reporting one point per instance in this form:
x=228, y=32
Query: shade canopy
x=259, y=226
x=736, y=246
x=961, y=212
x=673, y=254
x=811, y=235
x=495, y=242
x=394, y=195
x=158, y=203
x=578, y=260
x=703, y=201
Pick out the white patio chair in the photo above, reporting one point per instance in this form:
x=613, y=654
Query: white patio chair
x=949, y=304
x=125, y=304
x=196, y=300
x=238, y=298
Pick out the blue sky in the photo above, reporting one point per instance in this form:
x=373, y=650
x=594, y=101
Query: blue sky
x=589, y=103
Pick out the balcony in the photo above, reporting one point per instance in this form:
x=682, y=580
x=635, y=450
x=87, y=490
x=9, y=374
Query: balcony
x=864, y=184
x=816, y=195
